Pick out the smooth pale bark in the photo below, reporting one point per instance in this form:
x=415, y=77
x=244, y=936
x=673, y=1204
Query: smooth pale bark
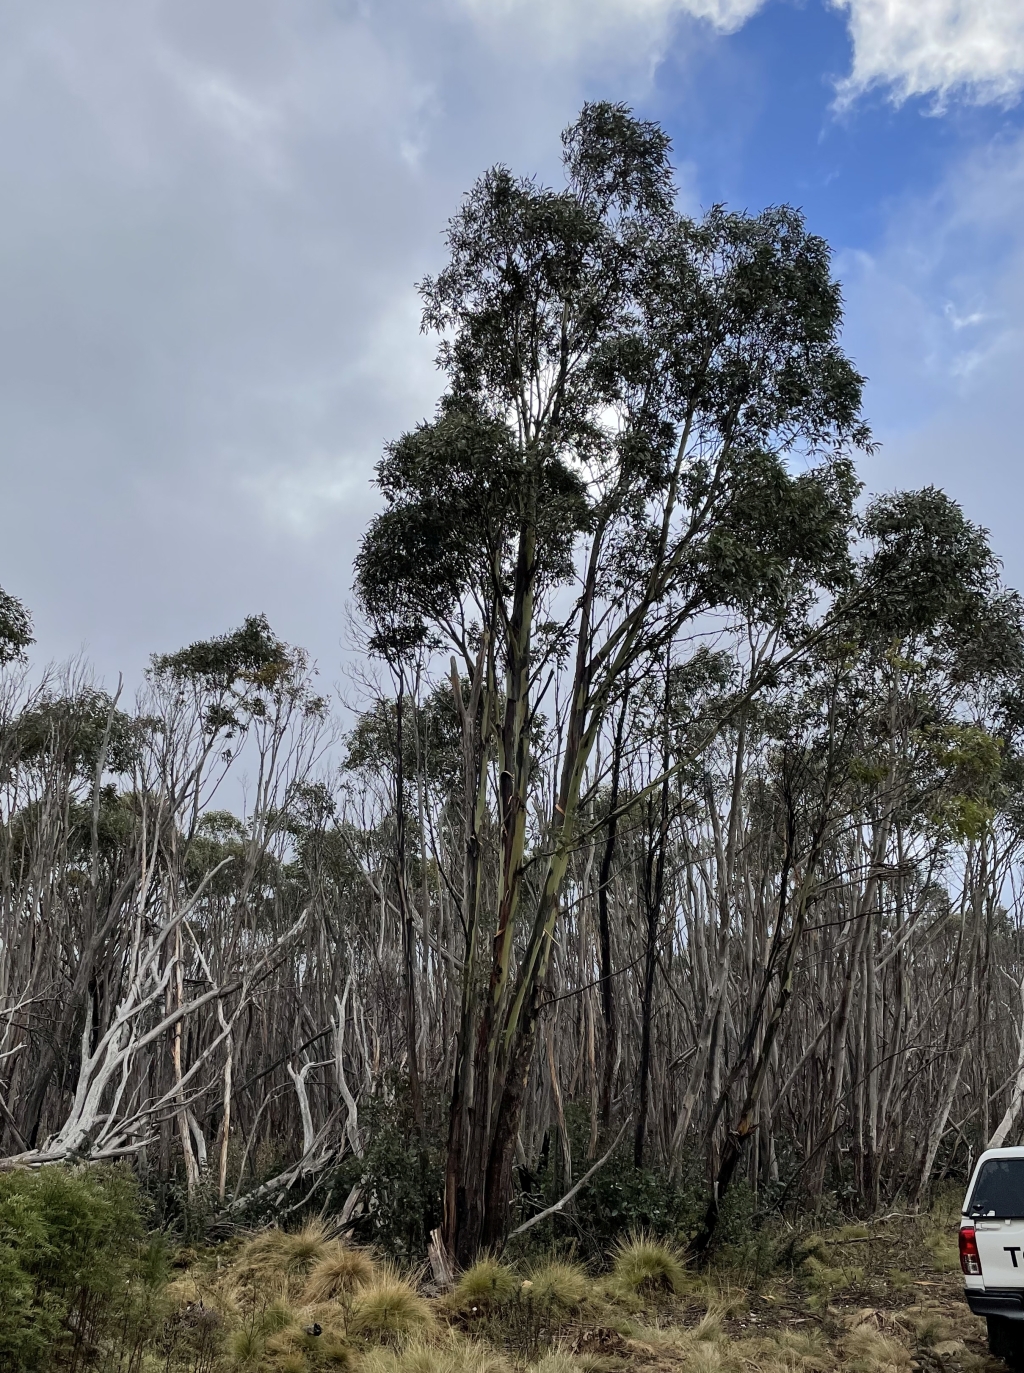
x=999, y=1135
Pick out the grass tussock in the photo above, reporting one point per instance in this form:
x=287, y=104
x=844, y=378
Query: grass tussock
x=338, y=1273
x=389, y=1310
x=558, y=1361
x=702, y=1348
x=710, y=1329
x=866, y=1349
x=301, y=1268
x=485, y=1286
x=564, y=1286
x=246, y=1348
x=287, y=1254
x=645, y=1266
x=446, y=1354
x=281, y=1303
x=313, y=1338
x=711, y=1346
x=277, y=1317
x=930, y=1327
x=302, y=1302
x=797, y=1351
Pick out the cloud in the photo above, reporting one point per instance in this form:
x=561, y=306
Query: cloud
x=969, y=48
x=214, y=219
x=936, y=319
x=630, y=28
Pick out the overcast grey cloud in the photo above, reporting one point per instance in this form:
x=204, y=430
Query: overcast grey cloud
x=215, y=217
x=215, y=211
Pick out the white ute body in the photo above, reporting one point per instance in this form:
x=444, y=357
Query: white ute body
x=992, y=1249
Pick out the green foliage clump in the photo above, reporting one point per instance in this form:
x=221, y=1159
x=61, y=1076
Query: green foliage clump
x=619, y=1199
x=401, y=1174
x=73, y=1265
x=15, y=628
x=852, y=1232
x=639, y=1199
x=825, y=1265
x=74, y=729
x=252, y=655
x=825, y=1280
x=944, y=1253
x=744, y=1243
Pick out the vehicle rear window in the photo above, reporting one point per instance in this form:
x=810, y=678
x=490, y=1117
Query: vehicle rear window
x=999, y=1190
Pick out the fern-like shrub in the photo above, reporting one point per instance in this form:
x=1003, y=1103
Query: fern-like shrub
x=75, y=1273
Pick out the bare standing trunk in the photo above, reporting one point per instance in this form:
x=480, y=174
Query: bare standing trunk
x=407, y=914
x=604, y=925
x=181, y=1114
x=1002, y=1130
x=654, y=890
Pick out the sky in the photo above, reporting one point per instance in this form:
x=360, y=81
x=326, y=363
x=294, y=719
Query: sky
x=215, y=213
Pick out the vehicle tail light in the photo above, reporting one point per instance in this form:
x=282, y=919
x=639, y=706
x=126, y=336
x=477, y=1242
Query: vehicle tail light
x=970, y=1259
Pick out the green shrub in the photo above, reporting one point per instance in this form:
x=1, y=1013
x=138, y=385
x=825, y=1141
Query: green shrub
x=619, y=1198
x=73, y=1268
x=826, y=1280
x=746, y=1239
x=401, y=1173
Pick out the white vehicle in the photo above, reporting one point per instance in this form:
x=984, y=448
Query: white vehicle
x=992, y=1250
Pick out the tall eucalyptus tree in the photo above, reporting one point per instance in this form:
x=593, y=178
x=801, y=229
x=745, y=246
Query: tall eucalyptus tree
x=624, y=389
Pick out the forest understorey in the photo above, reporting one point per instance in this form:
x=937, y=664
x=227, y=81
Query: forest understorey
x=85, y=1286
x=885, y=1296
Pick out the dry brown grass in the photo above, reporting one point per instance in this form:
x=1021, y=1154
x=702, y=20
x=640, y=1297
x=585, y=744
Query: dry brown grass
x=867, y=1349
x=291, y=1252
x=448, y=1353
